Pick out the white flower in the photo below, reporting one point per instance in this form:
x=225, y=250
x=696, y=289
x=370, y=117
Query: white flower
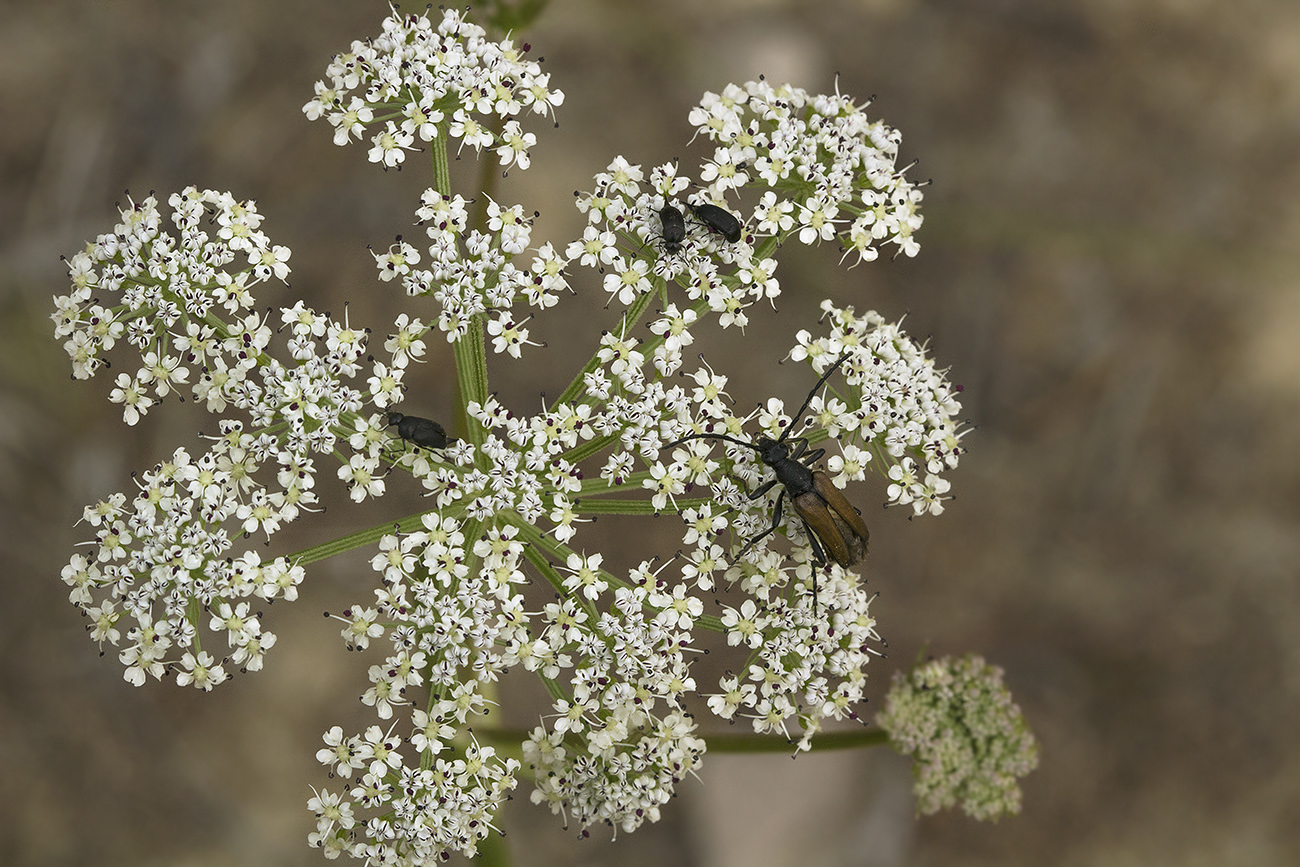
x=390, y=145
x=200, y=671
x=360, y=472
x=130, y=393
x=585, y=575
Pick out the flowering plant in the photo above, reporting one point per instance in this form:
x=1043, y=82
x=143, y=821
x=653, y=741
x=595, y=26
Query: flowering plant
x=298, y=392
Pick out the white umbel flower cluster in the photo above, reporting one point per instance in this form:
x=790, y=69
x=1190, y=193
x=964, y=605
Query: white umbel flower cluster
x=422, y=75
x=837, y=168
x=473, y=272
x=168, y=551
x=510, y=497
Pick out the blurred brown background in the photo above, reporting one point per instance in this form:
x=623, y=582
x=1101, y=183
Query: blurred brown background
x=1108, y=263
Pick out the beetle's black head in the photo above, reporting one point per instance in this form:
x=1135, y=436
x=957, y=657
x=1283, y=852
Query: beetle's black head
x=771, y=451
x=395, y=418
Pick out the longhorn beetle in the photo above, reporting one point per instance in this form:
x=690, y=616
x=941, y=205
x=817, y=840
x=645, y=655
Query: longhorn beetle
x=420, y=431
x=828, y=518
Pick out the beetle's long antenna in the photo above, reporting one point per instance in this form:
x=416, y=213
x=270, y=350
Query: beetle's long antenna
x=794, y=419
x=709, y=437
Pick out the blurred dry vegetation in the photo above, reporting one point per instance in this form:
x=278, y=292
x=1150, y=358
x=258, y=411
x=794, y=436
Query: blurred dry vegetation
x=1109, y=265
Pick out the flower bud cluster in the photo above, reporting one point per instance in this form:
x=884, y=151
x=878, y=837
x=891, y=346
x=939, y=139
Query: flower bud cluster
x=969, y=741
x=420, y=77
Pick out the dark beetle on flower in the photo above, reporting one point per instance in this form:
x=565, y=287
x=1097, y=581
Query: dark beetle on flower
x=718, y=220
x=420, y=431
x=674, y=228
x=828, y=518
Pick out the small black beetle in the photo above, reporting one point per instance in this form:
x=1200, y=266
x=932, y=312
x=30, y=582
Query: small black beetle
x=420, y=431
x=674, y=229
x=826, y=514
x=718, y=220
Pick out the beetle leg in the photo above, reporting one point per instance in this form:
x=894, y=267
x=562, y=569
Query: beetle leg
x=811, y=458
x=800, y=448
x=776, y=522
x=819, y=560
x=819, y=556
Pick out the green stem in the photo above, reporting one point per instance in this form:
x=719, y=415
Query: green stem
x=536, y=548
x=581, y=452
x=441, y=167
x=597, y=487
x=630, y=317
x=358, y=539
x=711, y=622
x=588, y=506
x=756, y=743
x=471, y=357
x=742, y=742
x=538, y=558
x=471, y=375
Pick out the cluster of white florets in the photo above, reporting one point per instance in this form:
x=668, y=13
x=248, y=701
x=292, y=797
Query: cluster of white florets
x=810, y=633
x=168, y=551
x=809, y=627
x=615, y=646
x=472, y=272
x=628, y=680
x=823, y=170
x=420, y=813
x=421, y=76
x=904, y=414
x=826, y=171
x=896, y=413
x=624, y=240
x=442, y=621
x=182, y=300
x=162, y=293
x=833, y=171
